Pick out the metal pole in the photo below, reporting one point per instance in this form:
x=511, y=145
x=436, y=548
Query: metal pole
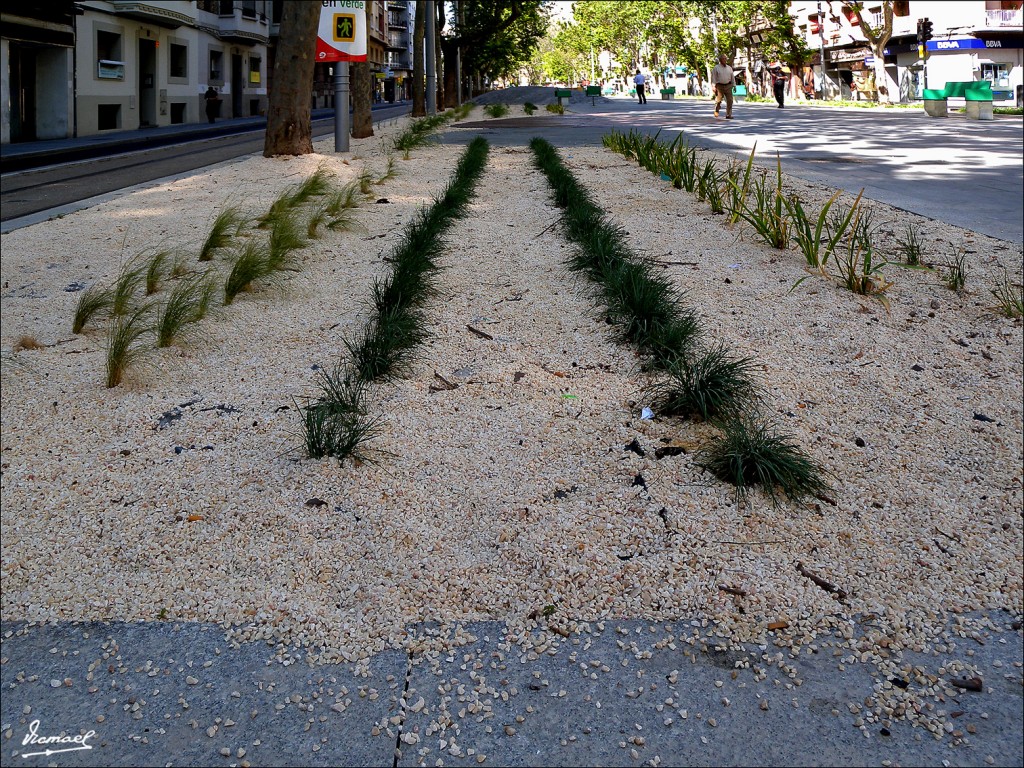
x=431, y=57
x=459, y=20
x=342, y=128
x=821, y=40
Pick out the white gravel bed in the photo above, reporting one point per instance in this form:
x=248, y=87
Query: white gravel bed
x=513, y=491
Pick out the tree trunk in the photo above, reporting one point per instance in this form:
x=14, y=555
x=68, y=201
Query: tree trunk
x=439, y=63
x=419, y=105
x=362, y=94
x=289, y=131
x=451, y=82
x=877, y=39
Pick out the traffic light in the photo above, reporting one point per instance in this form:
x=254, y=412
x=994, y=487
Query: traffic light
x=920, y=31
x=926, y=29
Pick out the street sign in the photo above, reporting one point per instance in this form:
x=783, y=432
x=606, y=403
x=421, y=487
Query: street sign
x=341, y=35
x=869, y=61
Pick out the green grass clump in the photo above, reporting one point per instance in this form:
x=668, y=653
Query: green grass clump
x=1009, y=298
x=496, y=110
x=336, y=424
x=228, y=224
x=251, y=263
x=390, y=170
x=95, y=300
x=125, y=288
x=749, y=454
x=417, y=135
x=556, y=109
x=911, y=247
x=768, y=216
x=383, y=350
x=316, y=184
x=816, y=238
x=156, y=269
x=956, y=276
x=716, y=384
x=188, y=303
x=529, y=108
x=123, y=349
x=285, y=238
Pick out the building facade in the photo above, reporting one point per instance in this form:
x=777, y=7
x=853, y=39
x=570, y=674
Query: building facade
x=80, y=68
x=125, y=64
x=971, y=40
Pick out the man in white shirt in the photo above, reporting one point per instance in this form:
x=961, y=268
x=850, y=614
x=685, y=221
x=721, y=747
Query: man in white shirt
x=722, y=78
x=639, y=81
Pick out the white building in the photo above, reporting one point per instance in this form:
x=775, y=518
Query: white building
x=971, y=40
x=123, y=64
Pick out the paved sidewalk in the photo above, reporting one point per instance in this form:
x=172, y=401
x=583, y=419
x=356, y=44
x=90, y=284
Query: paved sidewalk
x=622, y=693
x=35, y=154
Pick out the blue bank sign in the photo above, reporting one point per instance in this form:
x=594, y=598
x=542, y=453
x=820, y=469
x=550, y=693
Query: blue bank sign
x=969, y=43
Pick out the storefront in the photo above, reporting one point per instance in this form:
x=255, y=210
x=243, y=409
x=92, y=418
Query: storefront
x=997, y=59
x=853, y=70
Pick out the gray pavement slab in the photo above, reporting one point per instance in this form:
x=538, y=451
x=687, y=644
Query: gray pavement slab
x=617, y=693
x=178, y=694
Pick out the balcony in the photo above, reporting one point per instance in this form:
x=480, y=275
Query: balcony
x=243, y=26
x=1000, y=19
x=177, y=15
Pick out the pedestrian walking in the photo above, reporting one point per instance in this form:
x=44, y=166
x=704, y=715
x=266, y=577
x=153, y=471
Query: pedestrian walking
x=722, y=79
x=779, y=84
x=212, y=100
x=640, y=82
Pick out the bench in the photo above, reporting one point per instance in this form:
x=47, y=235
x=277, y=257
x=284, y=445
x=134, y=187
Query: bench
x=667, y=94
x=593, y=91
x=976, y=94
x=562, y=93
x=740, y=92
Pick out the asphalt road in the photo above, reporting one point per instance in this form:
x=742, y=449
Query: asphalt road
x=964, y=172
x=27, y=192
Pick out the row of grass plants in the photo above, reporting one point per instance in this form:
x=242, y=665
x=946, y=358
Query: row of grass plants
x=837, y=242
x=337, y=422
x=689, y=377
x=138, y=321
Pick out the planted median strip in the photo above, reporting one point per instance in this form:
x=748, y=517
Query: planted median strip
x=337, y=422
x=689, y=377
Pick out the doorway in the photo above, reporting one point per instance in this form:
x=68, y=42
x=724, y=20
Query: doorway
x=147, y=83
x=23, y=93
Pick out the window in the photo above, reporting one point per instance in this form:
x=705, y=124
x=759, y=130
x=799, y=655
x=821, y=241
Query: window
x=210, y=6
x=108, y=117
x=254, y=70
x=901, y=8
x=177, y=113
x=227, y=8
x=108, y=45
x=216, y=65
x=179, y=60
x=248, y=9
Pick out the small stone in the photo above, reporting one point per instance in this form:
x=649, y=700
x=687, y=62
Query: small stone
x=225, y=752
x=191, y=680
x=56, y=683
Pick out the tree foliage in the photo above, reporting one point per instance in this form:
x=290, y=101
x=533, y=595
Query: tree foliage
x=493, y=37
